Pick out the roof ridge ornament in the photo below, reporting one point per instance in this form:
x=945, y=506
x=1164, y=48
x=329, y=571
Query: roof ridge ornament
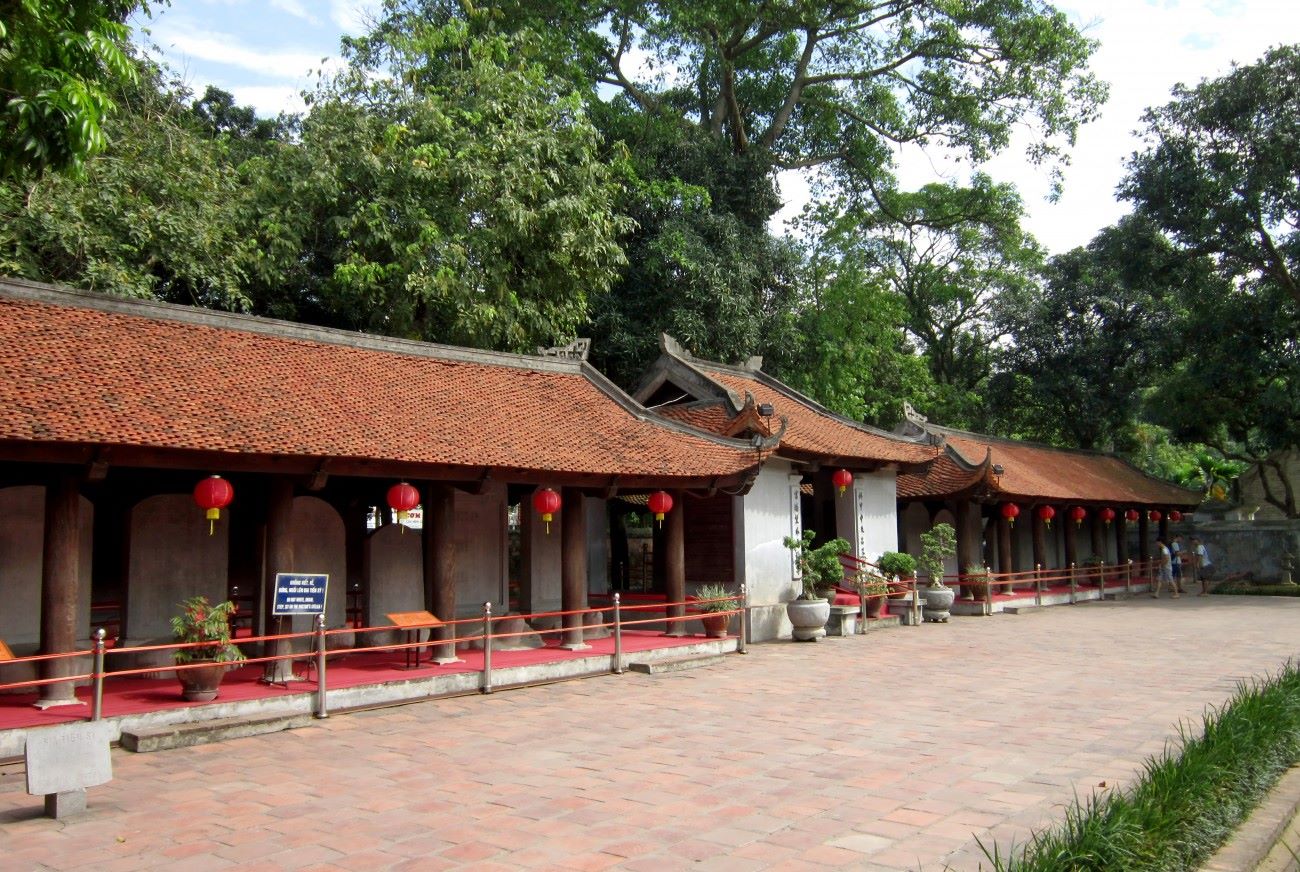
x=913, y=416
x=575, y=350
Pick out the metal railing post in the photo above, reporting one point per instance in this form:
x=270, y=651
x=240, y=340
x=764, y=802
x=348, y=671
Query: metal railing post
x=988, y=594
x=1038, y=584
x=1128, y=577
x=322, y=708
x=618, y=634
x=487, y=647
x=743, y=640
x=97, y=710
x=1074, y=585
x=916, y=604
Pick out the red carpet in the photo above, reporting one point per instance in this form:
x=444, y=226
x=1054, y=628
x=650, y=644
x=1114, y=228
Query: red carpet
x=133, y=695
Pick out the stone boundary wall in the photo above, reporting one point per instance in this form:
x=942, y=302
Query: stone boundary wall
x=1258, y=547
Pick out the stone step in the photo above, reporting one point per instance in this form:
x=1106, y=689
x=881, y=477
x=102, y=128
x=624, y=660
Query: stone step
x=677, y=664
x=880, y=623
x=186, y=735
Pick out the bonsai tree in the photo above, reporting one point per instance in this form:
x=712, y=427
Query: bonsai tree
x=202, y=621
x=936, y=546
x=820, y=567
x=714, y=598
x=977, y=580
x=897, y=564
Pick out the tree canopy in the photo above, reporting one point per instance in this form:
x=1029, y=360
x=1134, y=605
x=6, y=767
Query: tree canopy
x=60, y=60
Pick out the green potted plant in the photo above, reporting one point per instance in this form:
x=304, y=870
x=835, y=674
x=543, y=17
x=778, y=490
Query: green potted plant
x=710, y=600
x=203, y=621
x=874, y=590
x=820, y=570
x=937, y=545
x=976, y=581
x=899, y=566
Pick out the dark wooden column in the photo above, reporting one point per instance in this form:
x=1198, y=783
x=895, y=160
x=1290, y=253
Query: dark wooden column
x=1006, y=559
x=440, y=564
x=1164, y=527
x=1144, y=535
x=1098, y=534
x=658, y=548
x=573, y=565
x=1121, y=538
x=60, y=587
x=1071, y=530
x=1038, y=533
x=279, y=558
x=675, y=562
x=967, y=552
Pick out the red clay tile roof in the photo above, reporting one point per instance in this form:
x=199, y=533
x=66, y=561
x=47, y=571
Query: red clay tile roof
x=817, y=431
x=713, y=418
x=945, y=477
x=82, y=369
x=1040, y=473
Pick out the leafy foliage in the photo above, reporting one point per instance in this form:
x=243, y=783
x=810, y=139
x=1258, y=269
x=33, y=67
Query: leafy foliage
x=937, y=544
x=59, y=62
x=204, y=621
x=819, y=567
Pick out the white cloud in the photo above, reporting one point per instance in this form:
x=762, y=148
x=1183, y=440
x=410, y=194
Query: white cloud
x=269, y=100
x=354, y=17
x=227, y=50
x=296, y=9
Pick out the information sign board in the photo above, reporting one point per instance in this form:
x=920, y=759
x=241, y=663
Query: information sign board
x=299, y=593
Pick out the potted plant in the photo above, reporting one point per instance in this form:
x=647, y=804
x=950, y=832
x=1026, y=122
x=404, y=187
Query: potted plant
x=900, y=566
x=820, y=570
x=936, y=546
x=203, y=621
x=976, y=581
x=873, y=589
x=710, y=600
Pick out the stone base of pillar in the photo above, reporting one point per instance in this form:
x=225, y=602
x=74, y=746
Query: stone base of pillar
x=447, y=661
x=575, y=646
x=676, y=634
x=281, y=672
x=51, y=703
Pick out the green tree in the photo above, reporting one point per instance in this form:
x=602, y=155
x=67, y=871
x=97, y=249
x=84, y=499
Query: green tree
x=161, y=214
x=949, y=253
x=457, y=199
x=831, y=84
x=60, y=60
x=1220, y=175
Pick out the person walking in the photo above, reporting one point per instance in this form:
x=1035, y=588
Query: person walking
x=1202, y=559
x=1164, y=571
x=1176, y=562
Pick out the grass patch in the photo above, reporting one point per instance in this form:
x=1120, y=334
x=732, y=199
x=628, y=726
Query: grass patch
x=1188, y=800
x=1258, y=589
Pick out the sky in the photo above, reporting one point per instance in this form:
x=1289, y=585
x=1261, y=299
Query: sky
x=266, y=52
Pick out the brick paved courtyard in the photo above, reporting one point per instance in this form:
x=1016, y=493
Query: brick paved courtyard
x=889, y=751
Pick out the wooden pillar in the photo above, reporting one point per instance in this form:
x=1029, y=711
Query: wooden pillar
x=1071, y=530
x=60, y=587
x=1121, y=538
x=1144, y=535
x=658, y=571
x=1006, y=559
x=1038, y=534
x=675, y=563
x=967, y=553
x=573, y=566
x=439, y=547
x=1164, y=527
x=279, y=558
x=1098, y=534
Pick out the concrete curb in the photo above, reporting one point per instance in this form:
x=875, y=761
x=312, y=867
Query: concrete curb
x=1255, y=838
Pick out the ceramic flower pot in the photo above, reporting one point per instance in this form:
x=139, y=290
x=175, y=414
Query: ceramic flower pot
x=203, y=683
x=715, y=626
x=808, y=618
x=938, y=600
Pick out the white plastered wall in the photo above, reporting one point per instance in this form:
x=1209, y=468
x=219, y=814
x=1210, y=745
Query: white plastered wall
x=867, y=514
x=769, y=513
x=22, y=538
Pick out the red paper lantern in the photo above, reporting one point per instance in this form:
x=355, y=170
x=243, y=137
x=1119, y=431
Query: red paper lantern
x=1077, y=514
x=1131, y=515
x=842, y=479
x=661, y=503
x=1010, y=511
x=1175, y=516
x=546, y=503
x=403, y=497
x=1107, y=514
x=213, y=494
x=1155, y=515
x=1045, y=514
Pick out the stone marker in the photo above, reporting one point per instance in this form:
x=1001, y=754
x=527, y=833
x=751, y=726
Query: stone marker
x=63, y=761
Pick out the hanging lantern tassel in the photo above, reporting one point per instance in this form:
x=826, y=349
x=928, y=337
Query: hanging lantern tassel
x=1010, y=511
x=1107, y=515
x=1078, y=513
x=213, y=494
x=546, y=503
x=1047, y=513
x=842, y=479
x=661, y=503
